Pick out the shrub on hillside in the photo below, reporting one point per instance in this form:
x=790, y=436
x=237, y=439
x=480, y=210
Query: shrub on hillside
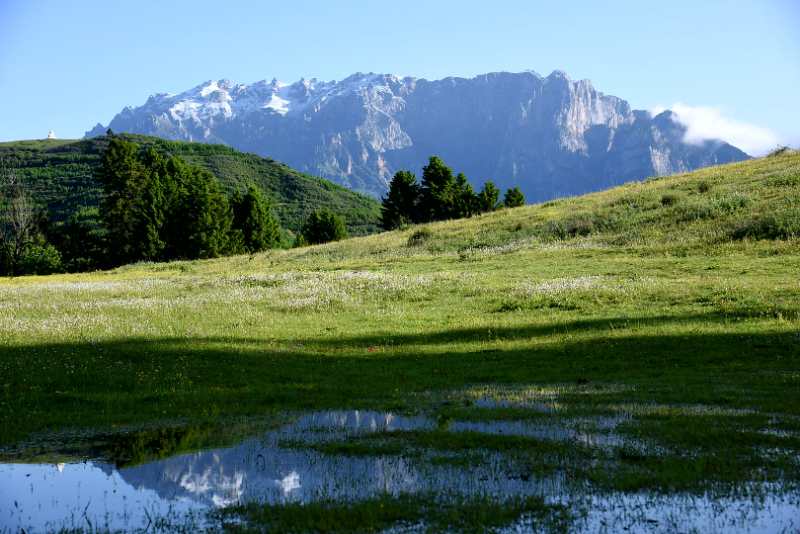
x=730, y=202
x=577, y=226
x=670, y=199
x=709, y=208
x=780, y=151
x=41, y=258
x=580, y=225
x=586, y=223
x=514, y=198
x=299, y=241
x=323, y=226
x=695, y=211
x=553, y=230
x=783, y=179
x=419, y=237
x=781, y=226
x=636, y=202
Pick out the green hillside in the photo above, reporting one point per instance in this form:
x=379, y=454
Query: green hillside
x=639, y=342
x=60, y=173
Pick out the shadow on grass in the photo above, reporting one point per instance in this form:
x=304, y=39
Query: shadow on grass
x=129, y=381
x=516, y=332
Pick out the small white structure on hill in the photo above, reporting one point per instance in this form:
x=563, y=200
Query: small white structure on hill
x=51, y=134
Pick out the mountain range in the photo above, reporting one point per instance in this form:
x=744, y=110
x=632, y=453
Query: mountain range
x=551, y=136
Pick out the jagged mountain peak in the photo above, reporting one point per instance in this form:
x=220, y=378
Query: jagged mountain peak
x=549, y=135
x=558, y=75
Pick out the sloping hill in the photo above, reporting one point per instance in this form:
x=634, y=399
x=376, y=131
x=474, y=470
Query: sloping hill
x=60, y=173
x=692, y=212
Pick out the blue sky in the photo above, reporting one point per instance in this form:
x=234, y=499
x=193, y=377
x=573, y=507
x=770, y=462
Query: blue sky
x=734, y=67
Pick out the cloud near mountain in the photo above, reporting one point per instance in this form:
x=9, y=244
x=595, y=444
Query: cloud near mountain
x=704, y=123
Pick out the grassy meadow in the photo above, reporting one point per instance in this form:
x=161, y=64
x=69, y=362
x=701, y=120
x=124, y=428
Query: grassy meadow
x=673, y=302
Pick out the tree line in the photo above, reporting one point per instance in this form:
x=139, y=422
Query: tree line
x=154, y=207
x=439, y=196
x=157, y=207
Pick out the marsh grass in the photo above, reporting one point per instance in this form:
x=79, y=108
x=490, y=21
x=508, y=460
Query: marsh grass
x=427, y=513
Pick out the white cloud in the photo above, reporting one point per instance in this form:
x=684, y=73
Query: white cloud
x=703, y=123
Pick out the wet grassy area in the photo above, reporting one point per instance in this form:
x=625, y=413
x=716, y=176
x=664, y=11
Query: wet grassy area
x=485, y=458
x=426, y=513
x=563, y=381
x=550, y=458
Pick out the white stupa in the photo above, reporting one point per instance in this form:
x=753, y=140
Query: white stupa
x=51, y=134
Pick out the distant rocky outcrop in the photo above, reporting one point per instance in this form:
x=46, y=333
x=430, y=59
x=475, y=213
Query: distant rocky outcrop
x=551, y=136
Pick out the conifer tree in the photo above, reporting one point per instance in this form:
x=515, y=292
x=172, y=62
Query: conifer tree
x=438, y=188
x=132, y=207
x=401, y=204
x=156, y=208
x=514, y=198
x=465, y=202
x=201, y=217
x=253, y=221
x=487, y=198
x=323, y=226
x=80, y=240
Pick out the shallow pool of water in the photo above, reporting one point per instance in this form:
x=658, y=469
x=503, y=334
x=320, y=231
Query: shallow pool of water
x=181, y=489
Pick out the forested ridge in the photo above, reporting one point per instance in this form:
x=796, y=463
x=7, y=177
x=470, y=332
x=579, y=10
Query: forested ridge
x=93, y=205
x=60, y=175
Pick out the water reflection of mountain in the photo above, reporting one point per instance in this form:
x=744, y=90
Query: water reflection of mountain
x=260, y=469
x=256, y=470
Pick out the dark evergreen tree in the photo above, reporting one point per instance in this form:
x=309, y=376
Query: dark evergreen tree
x=6, y=261
x=438, y=191
x=200, y=217
x=401, y=204
x=156, y=208
x=488, y=197
x=80, y=240
x=120, y=169
x=150, y=215
x=133, y=203
x=514, y=198
x=323, y=226
x=253, y=222
x=465, y=202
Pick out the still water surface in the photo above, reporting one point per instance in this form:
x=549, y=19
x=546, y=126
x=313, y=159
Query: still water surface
x=181, y=490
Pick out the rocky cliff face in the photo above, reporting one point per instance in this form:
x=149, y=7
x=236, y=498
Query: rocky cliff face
x=552, y=136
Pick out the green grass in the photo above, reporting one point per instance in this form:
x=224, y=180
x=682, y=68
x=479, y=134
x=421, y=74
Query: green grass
x=60, y=174
x=611, y=303
x=376, y=515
